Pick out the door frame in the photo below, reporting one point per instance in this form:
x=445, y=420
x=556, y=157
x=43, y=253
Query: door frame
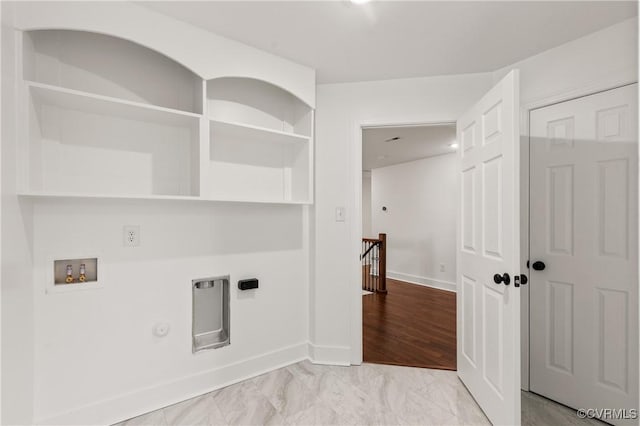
x=525, y=162
x=356, y=229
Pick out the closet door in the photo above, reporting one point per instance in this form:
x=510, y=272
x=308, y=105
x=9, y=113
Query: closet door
x=584, y=251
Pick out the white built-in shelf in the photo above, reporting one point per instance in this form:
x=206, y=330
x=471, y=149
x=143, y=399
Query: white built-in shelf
x=36, y=195
x=258, y=200
x=110, y=66
x=241, y=132
x=132, y=124
x=260, y=144
x=70, y=195
x=257, y=103
x=106, y=105
x=248, y=162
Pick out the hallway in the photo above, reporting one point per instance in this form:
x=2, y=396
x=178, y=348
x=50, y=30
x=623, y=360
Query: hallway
x=411, y=325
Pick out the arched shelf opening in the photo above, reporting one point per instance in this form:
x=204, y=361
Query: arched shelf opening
x=260, y=142
x=107, y=117
x=257, y=103
x=109, y=66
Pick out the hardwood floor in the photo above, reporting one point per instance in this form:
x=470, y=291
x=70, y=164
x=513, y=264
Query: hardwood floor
x=411, y=325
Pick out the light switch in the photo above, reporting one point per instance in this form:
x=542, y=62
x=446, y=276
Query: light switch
x=340, y=214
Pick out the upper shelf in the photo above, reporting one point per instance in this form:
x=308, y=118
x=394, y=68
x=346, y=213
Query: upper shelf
x=109, y=66
x=105, y=105
x=257, y=104
x=68, y=195
x=240, y=132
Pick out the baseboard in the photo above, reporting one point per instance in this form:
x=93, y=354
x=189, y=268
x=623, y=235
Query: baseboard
x=427, y=282
x=330, y=355
x=149, y=399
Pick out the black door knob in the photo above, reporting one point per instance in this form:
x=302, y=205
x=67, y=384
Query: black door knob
x=504, y=278
x=538, y=265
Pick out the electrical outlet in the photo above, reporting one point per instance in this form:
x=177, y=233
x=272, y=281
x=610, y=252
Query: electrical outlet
x=442, y=268
x=131, y=235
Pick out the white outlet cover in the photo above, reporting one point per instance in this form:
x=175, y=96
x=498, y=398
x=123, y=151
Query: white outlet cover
x=131, y=235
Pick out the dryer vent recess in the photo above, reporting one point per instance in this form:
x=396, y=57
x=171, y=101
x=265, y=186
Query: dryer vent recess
x=249, y=284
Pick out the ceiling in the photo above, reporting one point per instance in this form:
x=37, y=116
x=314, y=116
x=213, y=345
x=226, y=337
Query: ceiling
x=382, y=40
x=415, y=142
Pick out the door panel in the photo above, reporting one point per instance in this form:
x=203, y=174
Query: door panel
x=488, y=244
x=492, y=207
x=560, y=307
x=469, y=210
x=613, y=335
x=560, y=194
x=613, y=208
x=584, y=227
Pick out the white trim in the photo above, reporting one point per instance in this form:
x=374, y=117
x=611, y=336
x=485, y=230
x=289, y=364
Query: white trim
x=355, y=152
x=524, y=247
x=609, y=82
x=140, y=401
x=330, y=355
x=355, y=278
x=423, y=281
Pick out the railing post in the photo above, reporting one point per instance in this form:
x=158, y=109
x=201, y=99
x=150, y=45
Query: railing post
x=382, y=264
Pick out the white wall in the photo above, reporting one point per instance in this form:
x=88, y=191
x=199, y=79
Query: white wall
x=341, y=109
x=16, y=231
x=420, y=220
x=606, y=58
x=366, y=205
x=96, y=356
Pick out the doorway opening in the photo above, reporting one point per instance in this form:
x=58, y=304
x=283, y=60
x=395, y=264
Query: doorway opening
x=408, y=245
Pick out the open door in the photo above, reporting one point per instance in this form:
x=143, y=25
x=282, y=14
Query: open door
x=488, y=261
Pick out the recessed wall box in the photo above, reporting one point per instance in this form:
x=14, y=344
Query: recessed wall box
x=210, y=304
x=248, y=284
x=75, y=271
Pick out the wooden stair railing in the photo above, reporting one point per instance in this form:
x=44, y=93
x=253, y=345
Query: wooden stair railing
x=374, y=264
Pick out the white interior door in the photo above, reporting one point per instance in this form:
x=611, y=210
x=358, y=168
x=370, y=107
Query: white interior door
x=584, y=229
x=488, y=313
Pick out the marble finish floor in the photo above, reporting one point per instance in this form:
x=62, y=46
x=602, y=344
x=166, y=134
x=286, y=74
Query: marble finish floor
x=309, y=394
x=537, y=410
x=369, y=394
